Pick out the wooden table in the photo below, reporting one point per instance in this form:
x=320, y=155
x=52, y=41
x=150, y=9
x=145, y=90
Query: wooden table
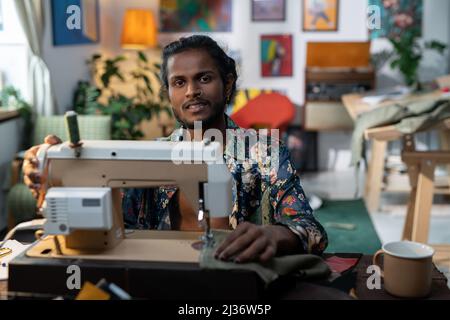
x=379, y=137
x=312, y=290
x=420, y=165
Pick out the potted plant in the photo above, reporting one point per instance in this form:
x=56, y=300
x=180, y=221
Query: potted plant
x=127, y=112
x=402, y=29
x=408, y=53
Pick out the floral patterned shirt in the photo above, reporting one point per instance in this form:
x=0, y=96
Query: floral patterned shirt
x=263, y=193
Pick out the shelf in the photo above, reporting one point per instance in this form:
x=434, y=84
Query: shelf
x=8, y=115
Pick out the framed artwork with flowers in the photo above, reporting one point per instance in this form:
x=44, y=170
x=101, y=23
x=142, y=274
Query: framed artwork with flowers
x=396, y=16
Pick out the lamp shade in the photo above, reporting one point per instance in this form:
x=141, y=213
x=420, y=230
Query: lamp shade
x=139, y=29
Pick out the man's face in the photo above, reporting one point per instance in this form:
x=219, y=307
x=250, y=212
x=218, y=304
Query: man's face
x=196, y=90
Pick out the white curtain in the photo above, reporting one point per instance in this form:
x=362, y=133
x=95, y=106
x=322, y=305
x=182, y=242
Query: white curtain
x=31, y=16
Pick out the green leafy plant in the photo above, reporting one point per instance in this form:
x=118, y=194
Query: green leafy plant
x=402, y=21
x=11, y=98
x=126, y=112
x=407, y=54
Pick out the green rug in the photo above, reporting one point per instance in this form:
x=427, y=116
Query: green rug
x=348, y=226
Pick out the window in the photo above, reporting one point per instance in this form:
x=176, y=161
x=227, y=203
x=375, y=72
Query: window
x=14, y=50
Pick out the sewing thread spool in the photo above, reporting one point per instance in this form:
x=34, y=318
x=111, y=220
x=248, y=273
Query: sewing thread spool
x=73, y=132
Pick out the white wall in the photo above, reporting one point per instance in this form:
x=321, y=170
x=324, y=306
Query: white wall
x=436, y=26
x=66, y=63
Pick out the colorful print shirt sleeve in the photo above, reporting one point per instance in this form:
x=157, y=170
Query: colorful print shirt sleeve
x=291, y=208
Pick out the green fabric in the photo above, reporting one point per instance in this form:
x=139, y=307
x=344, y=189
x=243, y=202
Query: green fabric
x=307, y=266
x=92, y=127
x=362, y=239
x=408, y=118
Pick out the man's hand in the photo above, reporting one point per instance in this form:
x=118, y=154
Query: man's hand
x=248, y=242
x=31, y=176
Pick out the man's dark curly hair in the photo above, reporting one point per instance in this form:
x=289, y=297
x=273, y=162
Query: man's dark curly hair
x=225, y=64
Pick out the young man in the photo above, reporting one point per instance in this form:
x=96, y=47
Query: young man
x=200, y=79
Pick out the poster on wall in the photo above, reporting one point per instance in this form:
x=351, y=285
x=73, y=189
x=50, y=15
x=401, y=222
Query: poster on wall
x=276, y=56
x=195, y=15
x=268, y=10
x=396, y=16
x=320, y=15
x=75, y=22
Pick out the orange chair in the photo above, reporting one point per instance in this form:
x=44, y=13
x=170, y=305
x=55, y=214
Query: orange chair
x=268, y=111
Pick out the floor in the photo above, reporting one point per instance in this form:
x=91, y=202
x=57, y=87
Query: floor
x=390, y=217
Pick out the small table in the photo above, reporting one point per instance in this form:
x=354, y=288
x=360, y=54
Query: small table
x=421, y=165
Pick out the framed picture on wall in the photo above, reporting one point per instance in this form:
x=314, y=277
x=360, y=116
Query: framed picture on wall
x=75, y=22
x=276, y=56
x=320, y=15
x=268, y=10
x=396, y=18
x=195, y=16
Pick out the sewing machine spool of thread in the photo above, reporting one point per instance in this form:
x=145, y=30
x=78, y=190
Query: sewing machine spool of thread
x=73, y=131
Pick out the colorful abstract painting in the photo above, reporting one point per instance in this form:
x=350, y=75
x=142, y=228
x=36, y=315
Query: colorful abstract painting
x=320, y=15
x=195, y=15
x=75, y=22
x=396, y=16
x=268, y=10
x=276, y=55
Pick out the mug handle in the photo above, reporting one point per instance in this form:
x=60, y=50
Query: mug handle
x=376, y=261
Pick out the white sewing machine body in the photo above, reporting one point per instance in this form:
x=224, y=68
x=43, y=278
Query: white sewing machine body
x=68, y=209
x=83, y=196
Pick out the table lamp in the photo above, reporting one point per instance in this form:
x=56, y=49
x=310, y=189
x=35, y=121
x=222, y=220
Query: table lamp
x=139, y=30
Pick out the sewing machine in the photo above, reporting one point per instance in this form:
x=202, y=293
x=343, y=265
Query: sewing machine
x=84, y=223
x=82, y=188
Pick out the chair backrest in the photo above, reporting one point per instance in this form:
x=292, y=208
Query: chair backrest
x=268, y=110
x=92, y=127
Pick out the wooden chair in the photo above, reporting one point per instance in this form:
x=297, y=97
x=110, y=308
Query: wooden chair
x=268, y=111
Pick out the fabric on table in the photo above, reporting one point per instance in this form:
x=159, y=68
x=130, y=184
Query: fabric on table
x=408, y=118
x=306, y=266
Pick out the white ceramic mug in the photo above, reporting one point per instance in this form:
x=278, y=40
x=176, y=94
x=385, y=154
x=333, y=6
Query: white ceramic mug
x=407, y=268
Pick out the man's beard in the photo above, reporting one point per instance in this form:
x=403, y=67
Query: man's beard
x=218, y=112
